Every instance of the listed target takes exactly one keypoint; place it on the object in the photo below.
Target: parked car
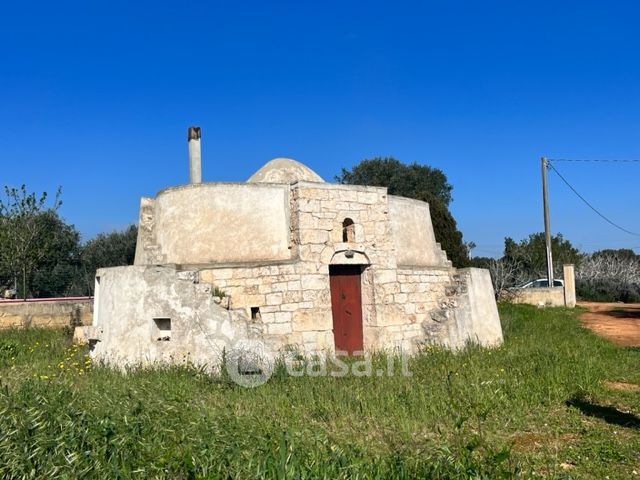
(542, 283)
(9, 294)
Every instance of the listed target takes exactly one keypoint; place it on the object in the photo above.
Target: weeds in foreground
(480, 413)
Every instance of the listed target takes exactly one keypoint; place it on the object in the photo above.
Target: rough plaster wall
(223, 223)
(550, 297)
(475, 318)
(413, 234)
(484, 326)
(147, 251)
(59, 313)
(569, 276)
(132, 297)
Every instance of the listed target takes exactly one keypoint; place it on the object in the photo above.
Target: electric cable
(589, 204)
(600, 160)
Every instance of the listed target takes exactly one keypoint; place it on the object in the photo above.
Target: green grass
(519, 410)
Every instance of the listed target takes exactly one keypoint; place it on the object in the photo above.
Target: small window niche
(255, 313)
(348, 231)
(162, 329)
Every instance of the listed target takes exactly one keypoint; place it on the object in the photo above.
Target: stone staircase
(150, 253)
(437, 329)
(255, 328)
(443, 256)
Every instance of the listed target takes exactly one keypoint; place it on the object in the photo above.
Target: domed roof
(284, 170)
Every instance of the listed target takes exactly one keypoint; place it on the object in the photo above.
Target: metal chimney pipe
(195, 155)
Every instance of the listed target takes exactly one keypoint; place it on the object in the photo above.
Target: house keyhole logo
(249, 363)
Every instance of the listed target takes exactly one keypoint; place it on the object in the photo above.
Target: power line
(589, 205)
(592, 160)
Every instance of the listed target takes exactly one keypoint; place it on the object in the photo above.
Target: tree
(609, 275)
(411, 181)
(505, 273)
(527, 260)
(24, 236)
(56, 273)
(531, 254)
(620, 253)
(37, 246)
(108, 250)
(420, 182)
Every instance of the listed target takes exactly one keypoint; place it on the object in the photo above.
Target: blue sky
(97, 96)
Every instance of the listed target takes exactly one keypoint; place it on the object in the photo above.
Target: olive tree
(117, 248)
(420, 182)
(25, 236)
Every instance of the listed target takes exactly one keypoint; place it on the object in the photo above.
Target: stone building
(290, 261)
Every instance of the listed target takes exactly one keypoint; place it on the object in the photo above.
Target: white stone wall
(215, 223)
(413, 235)
(276, 258)
(295, 304)
(295, 300)
(130, 300)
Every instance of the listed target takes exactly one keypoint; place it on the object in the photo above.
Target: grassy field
(545, 404)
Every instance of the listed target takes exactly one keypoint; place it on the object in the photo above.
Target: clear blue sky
(96, 97)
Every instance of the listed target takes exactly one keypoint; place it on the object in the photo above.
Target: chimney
(195, 158)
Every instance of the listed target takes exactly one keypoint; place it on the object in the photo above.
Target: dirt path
(619, 322)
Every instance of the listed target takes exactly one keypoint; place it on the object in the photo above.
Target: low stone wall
(46, 313)
(548, 297)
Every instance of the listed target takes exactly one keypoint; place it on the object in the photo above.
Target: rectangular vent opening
(162, 330)
(255, 313)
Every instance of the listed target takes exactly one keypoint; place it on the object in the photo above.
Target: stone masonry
(270, 248)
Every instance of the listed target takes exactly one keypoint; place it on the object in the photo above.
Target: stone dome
(284, 170)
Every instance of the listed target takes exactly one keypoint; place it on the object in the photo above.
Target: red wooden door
(346, 307)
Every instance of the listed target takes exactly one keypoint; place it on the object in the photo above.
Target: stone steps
(443, 256)
(440, 316)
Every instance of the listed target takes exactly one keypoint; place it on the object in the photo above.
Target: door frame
(347, 270)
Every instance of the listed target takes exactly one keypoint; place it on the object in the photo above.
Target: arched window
(348, 230)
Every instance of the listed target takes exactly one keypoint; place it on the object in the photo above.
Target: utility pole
(547, 223)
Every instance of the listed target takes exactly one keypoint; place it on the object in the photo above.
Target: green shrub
(608, 291)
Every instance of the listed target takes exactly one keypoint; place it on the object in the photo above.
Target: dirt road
(619, 322)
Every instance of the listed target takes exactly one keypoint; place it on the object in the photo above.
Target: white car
(542, 283)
